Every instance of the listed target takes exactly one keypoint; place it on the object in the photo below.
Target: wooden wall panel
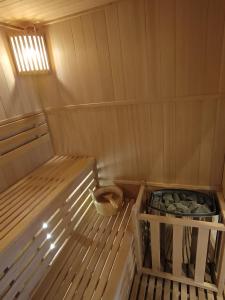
(147, 141)
(140, 86)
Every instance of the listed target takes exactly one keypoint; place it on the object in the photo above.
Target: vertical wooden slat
(155, 245)
(201, 255)
(137, 236)
(151, 286)
(221, 271)
(137, 229)
(184, 295)
(175, 295)
(134, 290)
(192, 293)
(177, 249)
(167, 290)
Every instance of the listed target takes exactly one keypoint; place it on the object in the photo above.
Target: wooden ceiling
(44, 11)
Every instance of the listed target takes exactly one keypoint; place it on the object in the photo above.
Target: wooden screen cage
(112, 149)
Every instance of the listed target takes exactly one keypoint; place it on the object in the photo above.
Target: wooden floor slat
(159, 289)
(143, 287)
(167, 290)
(135, 286)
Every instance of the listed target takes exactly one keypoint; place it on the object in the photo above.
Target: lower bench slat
(82, 271)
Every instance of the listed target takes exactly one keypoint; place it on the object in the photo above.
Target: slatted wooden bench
(92, 264)
(52, 242)
(37, 216)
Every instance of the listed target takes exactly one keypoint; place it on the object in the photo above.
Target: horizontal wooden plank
(19, 117)
(23, 149)
(178, 221)
(109, 103)
(16, 126)
(23, 137)
(152, 184)
(25, 257)
(182, 279)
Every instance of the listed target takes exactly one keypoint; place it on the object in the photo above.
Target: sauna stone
(172, 208)
(168, 198)
(202, 209)
(182, 208)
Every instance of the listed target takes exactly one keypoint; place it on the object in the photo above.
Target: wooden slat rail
(155, 245)
(202, 250)
(19, 136)
(179, 227)
(56, 195)
(23, 136)
(19, 125)
(154, 288)
(221, 269)
(177, 249)
(137, 229)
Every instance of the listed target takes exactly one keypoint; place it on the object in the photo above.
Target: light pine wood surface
(90, 265)
(55, 194)
(24, 145)
(147, 287)
(44, 10)
(140, 86)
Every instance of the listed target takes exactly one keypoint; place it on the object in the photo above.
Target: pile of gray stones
(181, 203)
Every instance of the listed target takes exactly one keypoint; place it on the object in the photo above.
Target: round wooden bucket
(108, 200)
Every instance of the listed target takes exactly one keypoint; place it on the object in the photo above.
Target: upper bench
(39, 212)
(38, 215)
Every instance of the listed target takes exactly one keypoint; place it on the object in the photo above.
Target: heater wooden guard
(204, 229)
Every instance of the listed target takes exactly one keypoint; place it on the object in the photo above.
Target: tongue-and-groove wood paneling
(33, 11)
(140, 85)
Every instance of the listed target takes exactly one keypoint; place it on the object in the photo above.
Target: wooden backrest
(17, 137)
(24, 145)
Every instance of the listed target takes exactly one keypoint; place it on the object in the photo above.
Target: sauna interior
(112, 147)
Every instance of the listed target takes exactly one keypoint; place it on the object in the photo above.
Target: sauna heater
(185, 204)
